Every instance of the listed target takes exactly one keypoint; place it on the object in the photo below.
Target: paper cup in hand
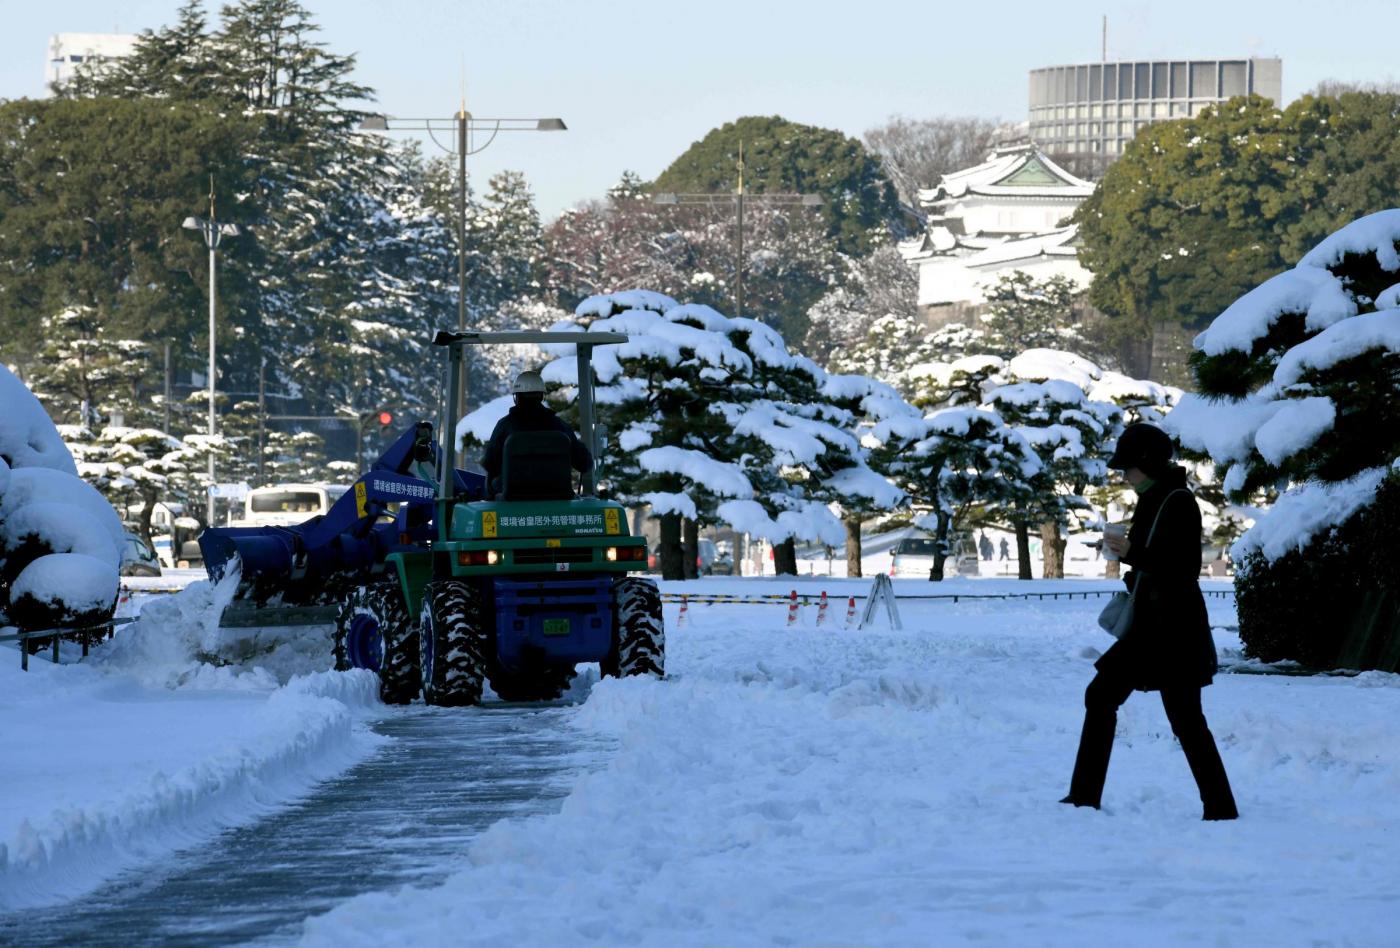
(1119, 530)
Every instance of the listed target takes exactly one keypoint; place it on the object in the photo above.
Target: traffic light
(386, 418)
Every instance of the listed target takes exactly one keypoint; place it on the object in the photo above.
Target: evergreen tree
(859, 203)
(1300, 389)
(1197, 211)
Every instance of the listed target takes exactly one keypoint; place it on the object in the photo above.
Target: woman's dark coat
(1169, 644)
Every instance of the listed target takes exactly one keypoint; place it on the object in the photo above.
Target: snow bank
(144, 749)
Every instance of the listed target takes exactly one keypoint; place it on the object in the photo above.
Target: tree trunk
(1112, 569)
(672, 559)
(1052, 550)
(785, 557)
(740, 550)
(1023, 550)
(148, 510)
(852, 546)
(940, 547)
(1136, 351)
(690, 547)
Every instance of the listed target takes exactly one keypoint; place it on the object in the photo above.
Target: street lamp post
(214, 232)
(739, 198)
(465, 125)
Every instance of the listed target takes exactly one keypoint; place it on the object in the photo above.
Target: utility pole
(262, 417)
(464, 124)
(167, 388)
(214, 232)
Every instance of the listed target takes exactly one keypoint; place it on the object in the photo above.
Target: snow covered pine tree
(1300, 382)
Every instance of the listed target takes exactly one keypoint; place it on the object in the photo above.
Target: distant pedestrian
(984, 544)
(1168, 648)
(1005, 549)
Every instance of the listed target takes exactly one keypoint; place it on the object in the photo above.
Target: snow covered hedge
(60, 541)
(1300, 391)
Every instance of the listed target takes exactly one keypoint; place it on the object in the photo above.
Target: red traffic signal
(386, 419)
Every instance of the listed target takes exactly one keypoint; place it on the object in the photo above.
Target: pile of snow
(60, 542)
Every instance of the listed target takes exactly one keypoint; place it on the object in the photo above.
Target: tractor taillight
(627, 553)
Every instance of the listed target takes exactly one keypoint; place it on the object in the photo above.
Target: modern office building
(67, 51)
(1094, 109)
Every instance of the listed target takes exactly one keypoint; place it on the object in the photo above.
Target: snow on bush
(27, 437)
(60, 541)
(712, 418)
(1300, 381)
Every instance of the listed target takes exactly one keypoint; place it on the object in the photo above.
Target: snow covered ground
(793, 785)
(143, 749)
(805, 786)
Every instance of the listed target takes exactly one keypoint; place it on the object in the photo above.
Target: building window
(1233, 79)
(1179, 90)
(1203, 81)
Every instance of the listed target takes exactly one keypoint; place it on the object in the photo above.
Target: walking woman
(1168, 648)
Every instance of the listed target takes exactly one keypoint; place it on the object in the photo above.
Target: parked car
(913, 556)
(137, 558)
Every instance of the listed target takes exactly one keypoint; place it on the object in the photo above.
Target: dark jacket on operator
(531, 415)
(1169, 644)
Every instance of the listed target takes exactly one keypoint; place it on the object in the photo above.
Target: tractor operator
(530, 414)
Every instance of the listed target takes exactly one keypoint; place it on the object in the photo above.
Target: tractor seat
(535, 466)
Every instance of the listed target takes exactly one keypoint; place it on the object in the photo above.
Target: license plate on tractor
(556, 627)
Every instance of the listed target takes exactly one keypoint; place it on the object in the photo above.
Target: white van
(283, 505)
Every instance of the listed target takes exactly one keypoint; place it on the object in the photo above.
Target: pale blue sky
(638, 81)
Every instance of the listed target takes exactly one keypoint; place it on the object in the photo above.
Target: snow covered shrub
(1300, 391)
(712, 420)
(60, 541)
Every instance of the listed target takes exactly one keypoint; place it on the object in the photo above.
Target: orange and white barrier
(792, 609)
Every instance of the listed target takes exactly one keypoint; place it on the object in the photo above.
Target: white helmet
(528, 383)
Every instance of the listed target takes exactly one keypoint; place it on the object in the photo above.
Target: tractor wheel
(639, 635)
(373, 631)
(453, 644)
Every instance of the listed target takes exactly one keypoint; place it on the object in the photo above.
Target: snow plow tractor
(451, 589)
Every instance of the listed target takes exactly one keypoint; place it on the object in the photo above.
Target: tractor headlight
(492, 557)
(612, 554)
